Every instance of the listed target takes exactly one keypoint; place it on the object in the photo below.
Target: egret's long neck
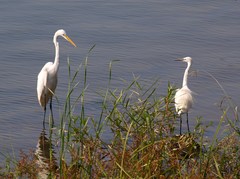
(185, 77)
(56, 61)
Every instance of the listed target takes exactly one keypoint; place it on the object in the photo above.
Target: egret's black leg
(44, 116)
(51, 111)
(187, 123)
(180, 124)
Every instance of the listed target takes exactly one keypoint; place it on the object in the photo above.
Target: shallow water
(146, 36)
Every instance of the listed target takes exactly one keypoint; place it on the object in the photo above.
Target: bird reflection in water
(45, 156)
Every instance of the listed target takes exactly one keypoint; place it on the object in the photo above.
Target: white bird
(47, 78)
(183, 96)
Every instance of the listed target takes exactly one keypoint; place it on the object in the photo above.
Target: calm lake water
(146, 36)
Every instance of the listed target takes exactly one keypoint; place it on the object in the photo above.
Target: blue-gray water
(146, 36)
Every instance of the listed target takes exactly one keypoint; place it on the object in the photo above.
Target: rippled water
(146, 36)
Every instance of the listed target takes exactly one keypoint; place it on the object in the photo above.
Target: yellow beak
(69, 40)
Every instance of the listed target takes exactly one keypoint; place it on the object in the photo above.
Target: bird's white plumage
(47, 83)
(47, 78)
(183, 100)
(183, 96)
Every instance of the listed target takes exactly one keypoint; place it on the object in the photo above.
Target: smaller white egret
(183, 96)
(47, 78)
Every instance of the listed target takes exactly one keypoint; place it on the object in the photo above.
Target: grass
(143, 142)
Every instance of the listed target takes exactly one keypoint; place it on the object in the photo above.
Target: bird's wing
(41, 84)
(43, 75)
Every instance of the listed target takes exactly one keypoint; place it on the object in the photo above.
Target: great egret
(47, 78)
(183, 96)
